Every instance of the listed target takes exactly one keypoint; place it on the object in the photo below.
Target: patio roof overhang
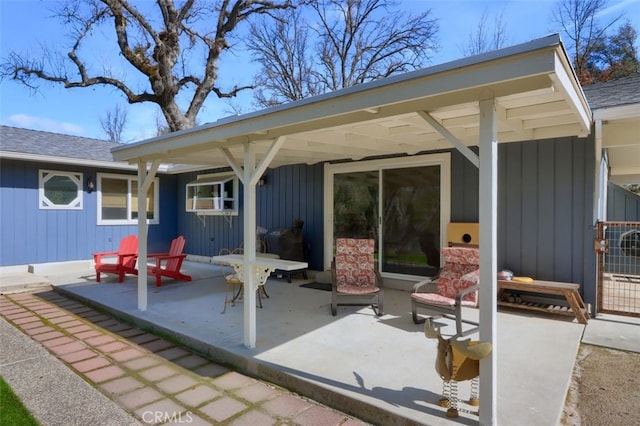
(536, 96)
(618, 130)
(521, 93)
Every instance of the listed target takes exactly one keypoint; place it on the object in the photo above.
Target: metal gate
(618, 247)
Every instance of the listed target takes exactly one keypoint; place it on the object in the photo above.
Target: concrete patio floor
(380, 370)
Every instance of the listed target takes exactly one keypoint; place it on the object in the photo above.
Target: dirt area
(605, 388)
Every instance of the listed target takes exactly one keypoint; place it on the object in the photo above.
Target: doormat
(317, 286)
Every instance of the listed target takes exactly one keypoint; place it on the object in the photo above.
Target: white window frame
(215, 179)
(440, 159)
(45, 204)
(129, 179)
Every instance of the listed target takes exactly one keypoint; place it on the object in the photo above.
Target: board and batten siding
(622, 205)
(30, 235)
(545, 211)
(289, 193)
(545, 208)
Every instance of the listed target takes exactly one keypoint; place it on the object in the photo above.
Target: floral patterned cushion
(354, 266)
(436, 299)
(460, 270)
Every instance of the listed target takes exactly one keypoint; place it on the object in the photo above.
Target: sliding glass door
(355, 207)
(411, 220)
(399, 205)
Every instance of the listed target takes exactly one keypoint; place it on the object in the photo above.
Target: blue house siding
(465, 182)
(622, 205)
(545, 214)
(545, 217)
(290, 192)
(29, 235)
(545, 223)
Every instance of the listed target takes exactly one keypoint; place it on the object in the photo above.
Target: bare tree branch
(485, 39)
(113, 123)
(579, 21)
(355, 41)
(162, 42)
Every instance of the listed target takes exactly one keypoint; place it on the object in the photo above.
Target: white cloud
(616, 7)
(45, 124)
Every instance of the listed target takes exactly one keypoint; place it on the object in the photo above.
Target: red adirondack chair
(172, 262)
(125, 262)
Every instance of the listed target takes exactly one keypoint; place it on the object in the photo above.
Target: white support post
(249, 230)
(488, 263)
(142, 238)
(144, 183)
(601, 178)
(249, 175)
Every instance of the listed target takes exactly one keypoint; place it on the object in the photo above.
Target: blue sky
(25, 25)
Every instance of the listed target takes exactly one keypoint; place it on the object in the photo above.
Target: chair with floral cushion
(355, 277)
(456, 286)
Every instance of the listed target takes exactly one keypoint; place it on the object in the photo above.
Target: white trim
(43, 201)
(488, 219)
(118, 165)
(617, 112)
(441, 159)
(525, 68)
(462, 148)
(10, 155)
(601, 176)
(129, 179)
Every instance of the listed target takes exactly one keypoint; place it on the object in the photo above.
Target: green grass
(12, 412)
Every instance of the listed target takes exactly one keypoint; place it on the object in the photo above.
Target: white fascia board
(22, 156)
(175, 169)
(565, 80)
(626, 179)
(65, 160)
(478, 72)
(617, 112)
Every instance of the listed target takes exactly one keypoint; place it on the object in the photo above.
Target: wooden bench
(568, 290)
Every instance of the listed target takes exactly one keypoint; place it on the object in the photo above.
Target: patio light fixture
(90, 185)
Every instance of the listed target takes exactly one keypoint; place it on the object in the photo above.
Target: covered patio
(525, 92)
(379, 369)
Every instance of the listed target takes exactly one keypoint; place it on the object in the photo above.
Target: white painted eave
(617, 112)
(536, 92)
(22, 156)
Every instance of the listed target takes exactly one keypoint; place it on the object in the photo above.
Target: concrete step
(22, 282)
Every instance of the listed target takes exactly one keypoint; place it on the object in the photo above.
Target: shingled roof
(622, 91)
(25, 141)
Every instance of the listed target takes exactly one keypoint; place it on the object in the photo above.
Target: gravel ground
(605, 389)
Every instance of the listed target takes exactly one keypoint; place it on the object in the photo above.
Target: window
(213, 195)
(118, 200)
(60, 190)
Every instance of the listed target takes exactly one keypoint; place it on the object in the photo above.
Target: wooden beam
(464, 150)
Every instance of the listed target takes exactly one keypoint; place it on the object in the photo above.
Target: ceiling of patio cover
(536, 94)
